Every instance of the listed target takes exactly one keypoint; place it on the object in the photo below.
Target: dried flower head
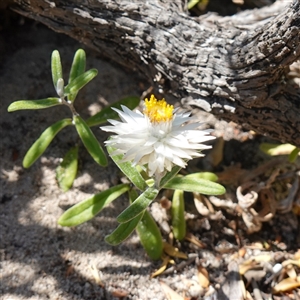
(158, 138)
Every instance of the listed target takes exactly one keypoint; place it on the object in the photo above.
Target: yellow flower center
(158, 110)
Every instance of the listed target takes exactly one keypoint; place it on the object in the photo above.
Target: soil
(42, 260)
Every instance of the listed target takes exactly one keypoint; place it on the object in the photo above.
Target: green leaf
(203, 175)
(56, 68)
(41, 144)
(131, 172)
(169, 176)
(201, 4)
(178, 218)
(107, 113)
(90, 142)
(201, 186)
(123, 231)
(79, 82)
(67, 170)
(89, 208)
(276, 149)
(34, 104)
(150, 236)
(294, 154)
(77, 68)
(138, 206)
(148, 232)
(78, 64)
(192, 3)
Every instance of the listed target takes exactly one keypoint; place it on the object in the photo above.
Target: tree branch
(234, 67)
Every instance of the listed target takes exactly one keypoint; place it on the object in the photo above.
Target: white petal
(160, 146)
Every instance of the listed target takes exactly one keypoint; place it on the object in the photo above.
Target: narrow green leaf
(178, 218)
(56, 67)
(41, 144)
(294, 154)
(138, 206)
(77, 68)
(131, 172)
(89, 208)
(67, 170)
(201, 186)
(169, 176)
(203, 175)
(33, 104)
(79, 82)
(107, 113)
(123, 231)
(148, 232)
(150, 236)
(90, 142)
(78, 64)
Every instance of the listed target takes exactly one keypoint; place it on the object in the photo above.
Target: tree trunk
(234, 67)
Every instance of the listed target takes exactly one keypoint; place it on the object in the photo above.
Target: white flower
(158, 138)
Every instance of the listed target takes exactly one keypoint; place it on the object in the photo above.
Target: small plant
(150, 148)
(78, 78)
(159, 141)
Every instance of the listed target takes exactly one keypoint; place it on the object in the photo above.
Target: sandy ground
(39, 259)
(42, 260)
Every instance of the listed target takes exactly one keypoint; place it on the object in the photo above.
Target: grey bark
(234, 67)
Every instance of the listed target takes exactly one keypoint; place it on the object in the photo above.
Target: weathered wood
(234, 67)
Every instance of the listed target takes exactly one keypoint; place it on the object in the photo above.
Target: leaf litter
(263, 269)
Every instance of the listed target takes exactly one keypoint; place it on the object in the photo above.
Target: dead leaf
(286, 284)
(254, 274)
(258, 246)
(96, 275)
(200, 206)
(203, 277)
(173, 251)
(295, 262)
(181, 265)
(216, 153)
(291, 272)
(297, 255)
(192, 239)
(163, 266)
(170, 294)
(254, 263)
(263, 258)
(248, 296)
(246, 266)
(242, 252)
